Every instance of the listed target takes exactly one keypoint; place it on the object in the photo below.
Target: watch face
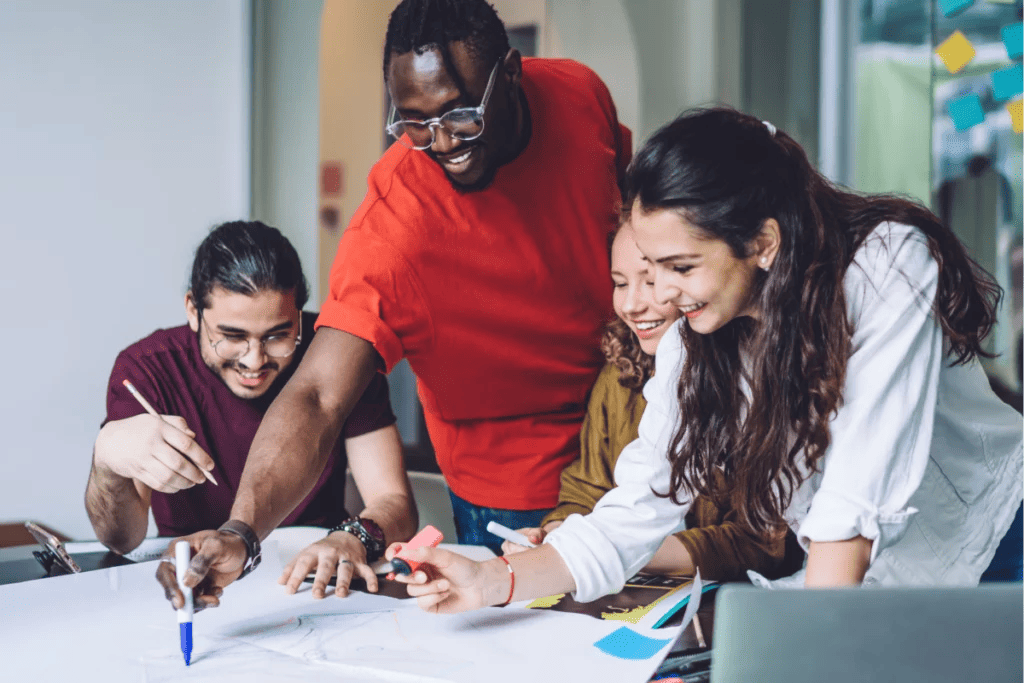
(372, 529)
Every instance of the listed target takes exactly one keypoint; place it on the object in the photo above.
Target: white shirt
(925, 460)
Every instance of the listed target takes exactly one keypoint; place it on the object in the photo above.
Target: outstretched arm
(294, 440)
(286, 458)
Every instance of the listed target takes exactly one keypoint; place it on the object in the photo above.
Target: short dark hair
(246, 257)
(423, 25)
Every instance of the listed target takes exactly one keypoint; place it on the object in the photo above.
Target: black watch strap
(369, 534)
(251, 540)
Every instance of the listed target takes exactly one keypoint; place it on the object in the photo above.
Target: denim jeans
(471, 522)
(1008, 563)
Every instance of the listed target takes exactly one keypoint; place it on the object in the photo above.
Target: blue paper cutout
(1013, 39)
(966, 111)
(952, 7)
(1007, 82)
(626, 643)
(709, 586)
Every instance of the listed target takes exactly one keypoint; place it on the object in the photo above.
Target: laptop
(874, 635)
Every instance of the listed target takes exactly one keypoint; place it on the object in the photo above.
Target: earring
(764, 262)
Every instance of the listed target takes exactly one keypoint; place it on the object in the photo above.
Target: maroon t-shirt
(167, 369)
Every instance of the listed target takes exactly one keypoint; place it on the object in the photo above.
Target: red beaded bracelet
(512, 575)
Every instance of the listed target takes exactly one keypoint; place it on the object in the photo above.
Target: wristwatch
(368, 533)
(251, 540)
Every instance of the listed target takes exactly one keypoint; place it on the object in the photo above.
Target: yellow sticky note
(955, 52)
(1016, 110)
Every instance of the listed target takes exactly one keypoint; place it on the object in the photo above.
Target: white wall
(124, 136)
(599, 34)
(689, 53)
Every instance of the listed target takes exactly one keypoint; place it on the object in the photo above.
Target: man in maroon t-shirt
(212, 381)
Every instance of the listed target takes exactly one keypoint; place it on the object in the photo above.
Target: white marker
(182, 555)
(502, 531)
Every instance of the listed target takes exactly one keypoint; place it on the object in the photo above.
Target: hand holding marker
(503, 532)
(182, 556)
(428, 536)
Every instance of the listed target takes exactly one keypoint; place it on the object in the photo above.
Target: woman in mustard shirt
(714, 540)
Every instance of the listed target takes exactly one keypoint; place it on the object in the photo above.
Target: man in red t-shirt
(212, 380)
(480, 254)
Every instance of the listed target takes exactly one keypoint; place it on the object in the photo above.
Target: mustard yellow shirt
(721, 547)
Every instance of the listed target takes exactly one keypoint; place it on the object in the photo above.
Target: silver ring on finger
(344, 561)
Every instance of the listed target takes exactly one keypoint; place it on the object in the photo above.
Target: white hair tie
(770, 127)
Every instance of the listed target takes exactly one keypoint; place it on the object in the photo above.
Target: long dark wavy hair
(726, 173)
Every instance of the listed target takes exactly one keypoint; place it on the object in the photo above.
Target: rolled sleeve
(881, 436)
(603, 549)
(375, 295)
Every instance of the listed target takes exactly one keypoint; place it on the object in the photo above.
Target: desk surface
(114, 625)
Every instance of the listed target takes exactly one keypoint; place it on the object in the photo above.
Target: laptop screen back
(933, 635)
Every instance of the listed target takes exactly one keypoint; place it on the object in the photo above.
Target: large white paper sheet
(115, 625)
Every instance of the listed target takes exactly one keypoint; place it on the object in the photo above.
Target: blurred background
(143, 123)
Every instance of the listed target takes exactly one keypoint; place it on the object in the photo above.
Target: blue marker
(182, 556)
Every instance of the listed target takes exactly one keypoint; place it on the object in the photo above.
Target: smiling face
(633, 294)
(698, 274)
(234, 316)
(422, 88)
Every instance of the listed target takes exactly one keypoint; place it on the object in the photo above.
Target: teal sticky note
(1013, 39)
(966, 111)
(952, 7)
(1007, 82)
(625, 643)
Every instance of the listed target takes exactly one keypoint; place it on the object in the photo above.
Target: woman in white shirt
(826, 364)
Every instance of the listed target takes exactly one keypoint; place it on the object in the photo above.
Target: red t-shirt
(167, 369)
(496, 297)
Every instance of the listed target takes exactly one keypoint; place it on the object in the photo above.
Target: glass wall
(976, 155)
(927, 119)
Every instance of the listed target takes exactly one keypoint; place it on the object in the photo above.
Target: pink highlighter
(428, 536)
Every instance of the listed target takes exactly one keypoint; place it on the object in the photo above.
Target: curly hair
(619, 344)
(622, 349)
(726, 173)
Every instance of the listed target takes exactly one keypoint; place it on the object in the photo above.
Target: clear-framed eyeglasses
(464, 123)
(276, 346)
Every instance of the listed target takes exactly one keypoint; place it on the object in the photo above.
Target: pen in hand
(182, 556)
(152, 411)
(503, 532)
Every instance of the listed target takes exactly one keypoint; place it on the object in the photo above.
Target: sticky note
(625, 643)
(966, 111)
(1013, 39)
(1016, 110)
(1007, 82)
(955, 52)
(952, 7)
